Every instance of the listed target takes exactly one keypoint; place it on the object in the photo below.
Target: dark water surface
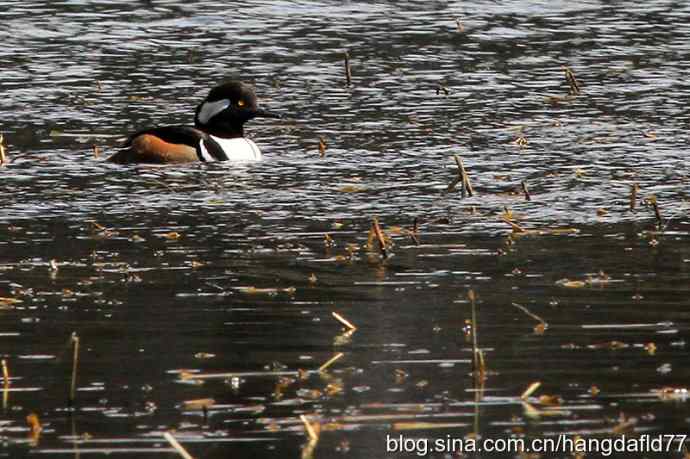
(215, 281)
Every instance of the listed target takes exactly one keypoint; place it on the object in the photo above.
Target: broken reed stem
(414, 234)
(330, 362)
(2, 150)
(75, 437)
(572, 81)
(328, 240)
(532, 388)
(348, 69)
(655, 206)
(461, 177)
(441, 88)
(6, 379)
(177, 446)
(467, 186)
(475, 357)
(313, 436)
(453, 184)
(35, 425)
(516, 228)
(634, 188)
(5, 373)
(75, 360)
(482, 365)
(379, 236)
(343, 321)
(322, 147)
(525, 191)
(530, 411)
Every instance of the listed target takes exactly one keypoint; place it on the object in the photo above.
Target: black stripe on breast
(213, 148)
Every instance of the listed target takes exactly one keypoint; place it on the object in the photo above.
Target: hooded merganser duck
(217, 135)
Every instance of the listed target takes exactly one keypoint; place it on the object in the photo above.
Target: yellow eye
(240, 103)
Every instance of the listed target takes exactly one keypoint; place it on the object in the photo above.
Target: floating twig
(75, 360)
(177, 446)
(343, 321)
(330, 362)
(542, 323)
(251, 290)
(348, 69)
(532, 388)
(529, 313)
(634, 188)
(572, 81)
(525, 191)
(198, 404)
(376, 228)
(187, 376)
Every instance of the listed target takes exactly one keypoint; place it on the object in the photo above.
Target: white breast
(239, 149)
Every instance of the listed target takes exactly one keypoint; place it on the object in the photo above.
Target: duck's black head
(226, 108)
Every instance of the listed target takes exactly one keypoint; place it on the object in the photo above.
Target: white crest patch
(211, 109)
(239, 149)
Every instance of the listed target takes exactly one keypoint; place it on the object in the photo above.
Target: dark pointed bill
(265, 114)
